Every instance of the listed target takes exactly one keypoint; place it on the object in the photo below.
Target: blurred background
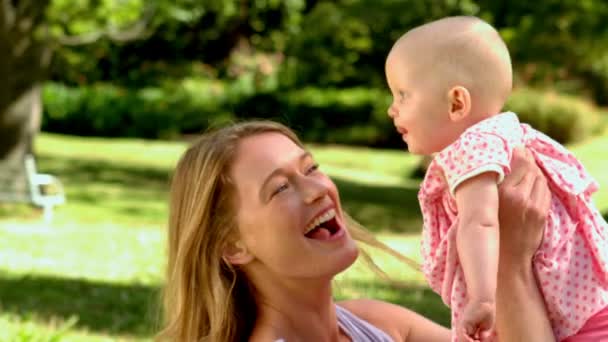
(99, 97)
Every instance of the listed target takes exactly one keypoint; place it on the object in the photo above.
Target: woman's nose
(313, 190)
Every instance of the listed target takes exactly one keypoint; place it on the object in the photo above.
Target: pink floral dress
(572, 261)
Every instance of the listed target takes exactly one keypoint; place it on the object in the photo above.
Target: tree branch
(30, 15)
(7, 15)
(137, 31)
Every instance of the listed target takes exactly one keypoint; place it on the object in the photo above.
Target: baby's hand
(477, 322)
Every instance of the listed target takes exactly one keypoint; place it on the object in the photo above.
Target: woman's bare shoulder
(400, 323)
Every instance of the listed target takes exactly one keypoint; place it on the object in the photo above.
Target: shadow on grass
(135, 193)
(130, 192)
(605, 216)
(381, 208)
(117, 309)
(99, 307)
(113, 190)
(79, 171)
(420, 299)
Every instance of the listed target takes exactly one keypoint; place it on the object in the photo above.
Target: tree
(30, 30)
(22, 66)
(187, 36)
(344, 43)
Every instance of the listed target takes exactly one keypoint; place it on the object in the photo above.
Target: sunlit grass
(95, 272)
(594, 155)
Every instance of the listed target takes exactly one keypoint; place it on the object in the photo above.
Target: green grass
(95, 272)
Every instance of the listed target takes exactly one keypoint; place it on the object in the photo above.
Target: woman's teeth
(330, 214)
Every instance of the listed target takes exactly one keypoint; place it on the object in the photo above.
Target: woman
(257, 233)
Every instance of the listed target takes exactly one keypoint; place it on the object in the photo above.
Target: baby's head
(445, 76)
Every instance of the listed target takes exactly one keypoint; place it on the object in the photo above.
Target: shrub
(354, 116)
(565, 118)
(327, 115)
(154, 112)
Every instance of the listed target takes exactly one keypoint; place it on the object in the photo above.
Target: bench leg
(47, 211)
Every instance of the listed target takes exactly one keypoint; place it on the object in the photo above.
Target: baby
(450, 80)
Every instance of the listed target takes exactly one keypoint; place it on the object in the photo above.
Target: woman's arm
(524, 203)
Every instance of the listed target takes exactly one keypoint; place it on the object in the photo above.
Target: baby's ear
(459, 101)
(236, 253)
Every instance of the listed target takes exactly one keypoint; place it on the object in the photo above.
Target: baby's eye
(312, 168)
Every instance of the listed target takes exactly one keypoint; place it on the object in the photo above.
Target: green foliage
(69, 17)
(554, 42)
(566, 119)
(326, 115)
(348, 116)
(355, 116)
(180, 34)
(344, 43)
(153, 112)
(561, 44)
(12, 329)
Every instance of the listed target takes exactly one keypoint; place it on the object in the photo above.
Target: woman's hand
(525, 199)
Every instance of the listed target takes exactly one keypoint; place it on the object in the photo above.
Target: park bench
(21, 183)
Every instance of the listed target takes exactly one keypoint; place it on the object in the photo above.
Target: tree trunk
(19, 124)
(25, 53)
(23, 65)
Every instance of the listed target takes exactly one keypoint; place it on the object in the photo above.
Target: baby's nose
(392, 112)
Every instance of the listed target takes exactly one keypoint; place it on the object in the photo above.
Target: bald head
(463, 51)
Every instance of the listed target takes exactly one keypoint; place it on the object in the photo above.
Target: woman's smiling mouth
(324, 227)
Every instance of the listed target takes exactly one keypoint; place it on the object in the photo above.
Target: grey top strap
(358, 329)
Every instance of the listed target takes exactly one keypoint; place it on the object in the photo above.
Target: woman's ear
(459, 101)
(236, 253)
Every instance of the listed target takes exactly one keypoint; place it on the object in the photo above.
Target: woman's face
(288, 211)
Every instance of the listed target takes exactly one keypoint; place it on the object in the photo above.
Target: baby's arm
(477, 235)
(477, 239)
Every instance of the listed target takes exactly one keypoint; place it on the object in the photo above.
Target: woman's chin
(348, 256)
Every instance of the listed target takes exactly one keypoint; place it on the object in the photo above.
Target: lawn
(95, 272)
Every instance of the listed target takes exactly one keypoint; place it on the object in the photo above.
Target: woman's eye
(280, 189)
(312, 169)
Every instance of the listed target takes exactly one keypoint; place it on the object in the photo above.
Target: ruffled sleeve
(472, 154)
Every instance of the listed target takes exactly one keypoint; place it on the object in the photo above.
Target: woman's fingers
(524, 203)
(519, 167)
(526, 185)
(518, 186)
(540, 197)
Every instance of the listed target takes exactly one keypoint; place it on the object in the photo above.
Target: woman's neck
(295, 310)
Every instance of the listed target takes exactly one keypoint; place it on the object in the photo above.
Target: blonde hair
(205, 298)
